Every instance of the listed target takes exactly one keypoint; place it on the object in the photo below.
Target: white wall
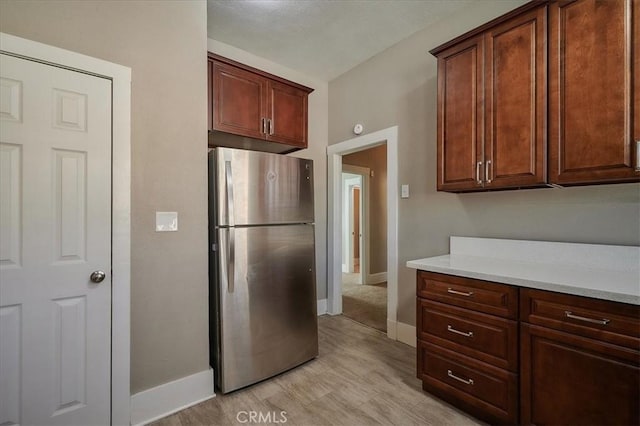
(318, 139)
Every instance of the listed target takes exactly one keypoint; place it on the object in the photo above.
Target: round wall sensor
(358, 128)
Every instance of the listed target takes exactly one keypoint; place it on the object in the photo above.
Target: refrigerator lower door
(268, 321)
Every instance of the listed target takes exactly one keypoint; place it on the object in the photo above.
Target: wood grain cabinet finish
(492, 105)
(247, 102)
(546, 94)
(484, 337)
(519, 355)
(594, 79)
(580, 360)
(483, 296)
(460, 116)
(467, 334)
(487, 392)
(239, 101)
(515, 102)
(288, 112)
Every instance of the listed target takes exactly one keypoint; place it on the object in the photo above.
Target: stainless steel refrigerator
(261, 266)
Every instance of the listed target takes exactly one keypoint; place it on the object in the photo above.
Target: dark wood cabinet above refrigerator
(252, 109)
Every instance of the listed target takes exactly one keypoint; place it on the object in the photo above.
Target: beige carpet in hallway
(366, 304)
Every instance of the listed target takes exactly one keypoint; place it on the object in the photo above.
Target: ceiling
(322, 38)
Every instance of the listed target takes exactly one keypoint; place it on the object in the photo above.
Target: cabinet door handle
(264, 125)
(638, 155)
(478, 179)
(571, 315)
(487, 173)
(460, 293)
(272, 127)
(462, 333)
(460, 379)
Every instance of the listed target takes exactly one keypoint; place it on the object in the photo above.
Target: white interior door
(55, 231)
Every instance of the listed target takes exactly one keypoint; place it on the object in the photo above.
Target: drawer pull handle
(462, 333)
(571, 315)
(460, 293)
(460, 379)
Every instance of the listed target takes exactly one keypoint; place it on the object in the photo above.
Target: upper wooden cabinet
(460, 116)
(493, 108)
(491, 105)
(252, 104)
(594, 77)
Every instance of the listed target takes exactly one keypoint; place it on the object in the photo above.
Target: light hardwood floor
(360, 378)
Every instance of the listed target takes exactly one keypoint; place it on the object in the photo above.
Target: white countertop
(598, 271)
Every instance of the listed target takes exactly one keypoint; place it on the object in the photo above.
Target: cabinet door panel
(288, 112)
(210, 93)
(592, 89)
(239, 105)
(568, 379)
(460, 115)
(515, 68)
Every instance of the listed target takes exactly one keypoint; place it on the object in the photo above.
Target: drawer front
(489, 389)
(482, 296)
(485, 337)
(613, 322)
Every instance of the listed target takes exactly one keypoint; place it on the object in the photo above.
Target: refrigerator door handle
(229, 179)
(227, 257)
(231, 261)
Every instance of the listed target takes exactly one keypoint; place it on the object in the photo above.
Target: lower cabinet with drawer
(468, 344)
(580, 360)
(516, 355)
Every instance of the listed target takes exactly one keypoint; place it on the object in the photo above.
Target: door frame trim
(120, 77)
(334, 219)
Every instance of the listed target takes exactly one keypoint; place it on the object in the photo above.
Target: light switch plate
(404, 193)
(166, 221)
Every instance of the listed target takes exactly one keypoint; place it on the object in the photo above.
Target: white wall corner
(377, 278)
(322, 306)
(406, 334)
(161, 401)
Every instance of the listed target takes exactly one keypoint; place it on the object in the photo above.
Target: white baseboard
(406, 334)
(161, 401)
(322, 306)
(380, 277)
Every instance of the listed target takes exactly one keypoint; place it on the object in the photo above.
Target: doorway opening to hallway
(364, 236)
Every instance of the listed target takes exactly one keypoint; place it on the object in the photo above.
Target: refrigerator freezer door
(256, 188)
(268, 306)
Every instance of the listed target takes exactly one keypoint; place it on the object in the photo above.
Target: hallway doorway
(364, 237)
(381, 278)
